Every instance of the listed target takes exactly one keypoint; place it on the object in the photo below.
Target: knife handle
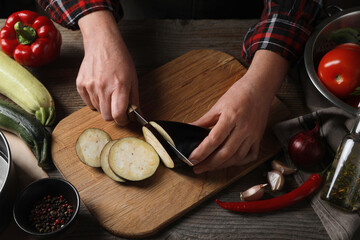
(132, 108)
(134, 115)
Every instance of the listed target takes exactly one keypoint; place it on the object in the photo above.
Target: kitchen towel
(334, 123)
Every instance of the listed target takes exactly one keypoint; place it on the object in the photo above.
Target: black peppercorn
(47, 214)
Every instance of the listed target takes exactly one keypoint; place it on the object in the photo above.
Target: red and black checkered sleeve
(68, 12)
(284, 28)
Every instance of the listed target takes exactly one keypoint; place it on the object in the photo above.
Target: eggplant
(133, 159)
(90, 144)
(185, 137)
(104, 161)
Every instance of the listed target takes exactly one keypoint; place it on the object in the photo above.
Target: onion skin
(307, 149)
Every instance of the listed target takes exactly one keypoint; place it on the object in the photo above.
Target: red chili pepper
(31, 39)
(288, 199)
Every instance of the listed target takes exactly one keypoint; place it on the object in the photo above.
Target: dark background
(9, 6)
(168, 9)
(176, 9)
(192, 9)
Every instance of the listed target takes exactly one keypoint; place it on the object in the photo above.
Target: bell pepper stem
(24, 34)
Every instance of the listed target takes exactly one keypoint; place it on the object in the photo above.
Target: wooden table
(152, 43)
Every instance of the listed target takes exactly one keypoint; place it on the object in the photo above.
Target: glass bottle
(342, 186)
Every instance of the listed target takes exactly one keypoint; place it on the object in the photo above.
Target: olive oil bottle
(342, 186)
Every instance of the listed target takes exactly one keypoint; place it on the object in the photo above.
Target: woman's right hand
(107, 79)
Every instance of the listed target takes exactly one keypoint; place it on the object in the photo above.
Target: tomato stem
(338, 78)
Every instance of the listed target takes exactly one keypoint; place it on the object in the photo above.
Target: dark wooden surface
(152, 43)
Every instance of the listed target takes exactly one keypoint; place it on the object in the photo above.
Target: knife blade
(134, 114)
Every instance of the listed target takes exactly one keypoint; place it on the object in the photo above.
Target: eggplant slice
(185, 137)
(90, 144)
(104, 159)
(133, 159)
(166, 154)
(162, 132)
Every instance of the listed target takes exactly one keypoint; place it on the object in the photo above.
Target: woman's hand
(107, 79)
(239, 117)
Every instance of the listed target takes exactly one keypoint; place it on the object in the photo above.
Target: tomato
(339, 69)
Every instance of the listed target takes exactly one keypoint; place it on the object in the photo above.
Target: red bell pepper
(31, 39)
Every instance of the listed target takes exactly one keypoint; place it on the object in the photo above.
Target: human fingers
(250, 155)
(216, 137)
(85, 97)
(85, 86)
(94, 99)
(134, 95)
(228, 154)
(244, 155)
(119, 106)
(105, 106)
(208, 119)
(89, 95)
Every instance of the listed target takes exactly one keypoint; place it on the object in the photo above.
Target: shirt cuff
(67, 13)
(283, 32)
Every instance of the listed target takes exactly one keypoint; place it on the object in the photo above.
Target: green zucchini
(23, 88)
(16, 120)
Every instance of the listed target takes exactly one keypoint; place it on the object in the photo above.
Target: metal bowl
(318, 45)
(7, 177)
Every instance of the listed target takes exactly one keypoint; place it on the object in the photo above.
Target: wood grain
(181, 90)
(153, 43)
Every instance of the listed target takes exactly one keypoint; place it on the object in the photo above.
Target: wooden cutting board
(181, 90)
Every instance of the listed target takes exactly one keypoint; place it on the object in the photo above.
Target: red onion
(307, 149)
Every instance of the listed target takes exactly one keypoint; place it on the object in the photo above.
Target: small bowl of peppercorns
(47, 207)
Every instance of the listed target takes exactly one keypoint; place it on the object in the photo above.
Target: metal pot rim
(309, 60)
(7, 157)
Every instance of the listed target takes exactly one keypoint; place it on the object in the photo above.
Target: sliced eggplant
(90, 144)
(104, 159)
(157, 142)
(133, 159)
(186, 137)
(162, 132)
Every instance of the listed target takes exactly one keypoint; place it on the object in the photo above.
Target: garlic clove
(281, 167)
(254, 193)
(276, 180)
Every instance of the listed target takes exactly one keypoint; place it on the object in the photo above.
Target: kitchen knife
(134, 114)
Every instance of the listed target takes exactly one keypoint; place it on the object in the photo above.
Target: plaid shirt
(68, 12)
(284, 27)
